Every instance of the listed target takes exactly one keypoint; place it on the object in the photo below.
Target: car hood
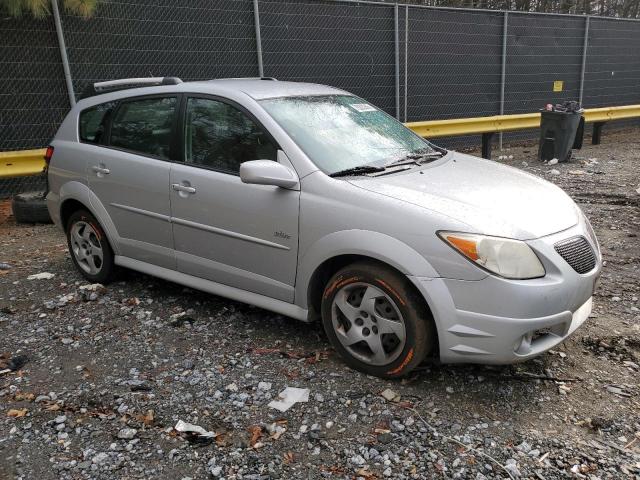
(489, 198)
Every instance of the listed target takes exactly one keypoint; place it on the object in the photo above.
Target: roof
(256, 88)
(261, 88)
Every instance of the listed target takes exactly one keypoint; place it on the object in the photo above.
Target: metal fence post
(503, 71)
(585, 45)
(63, 52)
(256, 19)
(406, 57)
(397, 48)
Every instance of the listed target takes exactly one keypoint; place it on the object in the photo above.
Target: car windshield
(339, 132)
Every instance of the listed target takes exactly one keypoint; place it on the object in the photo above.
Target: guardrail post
(486, 145)
(503, 71)
(256, 21)
(585, 45)
(397, 52)
(63, 52)
(597, 133)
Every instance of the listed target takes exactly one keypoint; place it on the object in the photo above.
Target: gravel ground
(111, 370)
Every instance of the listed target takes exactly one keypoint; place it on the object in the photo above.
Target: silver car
(308, 201)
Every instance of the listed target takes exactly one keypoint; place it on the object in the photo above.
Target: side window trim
(227, 101)
(174, 125)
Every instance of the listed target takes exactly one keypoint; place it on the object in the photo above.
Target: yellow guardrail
(467, 126)
(508, 123)
(21, 163)
(31, 162)
(607, 114)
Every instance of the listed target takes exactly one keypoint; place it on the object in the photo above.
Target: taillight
(48, 154)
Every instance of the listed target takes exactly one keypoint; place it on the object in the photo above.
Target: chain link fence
(33, 97)
(415, 62)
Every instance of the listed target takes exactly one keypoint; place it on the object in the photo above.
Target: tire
(30, 207)
(360, 289)
(89, 248)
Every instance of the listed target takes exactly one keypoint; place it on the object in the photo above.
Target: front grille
(578, 253)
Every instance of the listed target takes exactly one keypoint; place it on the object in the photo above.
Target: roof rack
(273, 79)
(125, 83)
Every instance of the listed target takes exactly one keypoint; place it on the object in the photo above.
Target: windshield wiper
(360, 170)
(417, 158)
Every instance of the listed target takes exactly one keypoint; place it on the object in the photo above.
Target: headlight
(591, 233)
(502, 256)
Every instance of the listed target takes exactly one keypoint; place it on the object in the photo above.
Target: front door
(240, 235)
(131, 177)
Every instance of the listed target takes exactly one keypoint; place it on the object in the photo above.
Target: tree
(42, 8)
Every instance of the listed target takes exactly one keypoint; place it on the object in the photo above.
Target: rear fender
(81, 193)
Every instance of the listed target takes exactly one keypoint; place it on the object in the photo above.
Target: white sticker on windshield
(363, 107)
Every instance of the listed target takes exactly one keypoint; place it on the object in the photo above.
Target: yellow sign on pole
(558, 85)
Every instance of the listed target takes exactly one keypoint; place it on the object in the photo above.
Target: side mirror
(268, 172)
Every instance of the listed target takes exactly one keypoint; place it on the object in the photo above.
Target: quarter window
(221, 137)
(144, 126)
(93, 123)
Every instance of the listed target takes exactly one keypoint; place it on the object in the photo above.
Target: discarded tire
(30, 207)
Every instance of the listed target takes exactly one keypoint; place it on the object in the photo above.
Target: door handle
(183, 188)
(100, 170)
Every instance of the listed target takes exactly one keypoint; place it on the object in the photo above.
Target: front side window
(144, 126)
(93, 121)
(338, 132)
(221, 137)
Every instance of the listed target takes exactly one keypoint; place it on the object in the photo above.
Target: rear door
(245, 236)
(131, 176)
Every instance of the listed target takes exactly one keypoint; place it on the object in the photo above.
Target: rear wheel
(376, 320)
(89, 247)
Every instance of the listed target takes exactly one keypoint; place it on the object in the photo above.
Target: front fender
(379, 246)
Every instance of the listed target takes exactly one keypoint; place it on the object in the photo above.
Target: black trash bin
(560, 131)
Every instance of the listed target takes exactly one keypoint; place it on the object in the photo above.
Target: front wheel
(89, 247)
(376, 320)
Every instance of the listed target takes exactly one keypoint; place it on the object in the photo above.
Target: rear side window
(144, 126)
(93, 123)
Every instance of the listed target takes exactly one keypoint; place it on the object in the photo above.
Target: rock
(100, 458)
(17, 362)
(187, 364)
(41, 276)
(127, 433)
(512, 467)
(390, 396)
(264, 386)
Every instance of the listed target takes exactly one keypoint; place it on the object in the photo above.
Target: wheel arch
(332, 252)
(74, 196)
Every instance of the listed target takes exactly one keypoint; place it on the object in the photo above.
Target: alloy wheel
(86, 247)
(368, 323)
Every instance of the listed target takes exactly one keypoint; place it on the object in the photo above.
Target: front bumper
(501, 321)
